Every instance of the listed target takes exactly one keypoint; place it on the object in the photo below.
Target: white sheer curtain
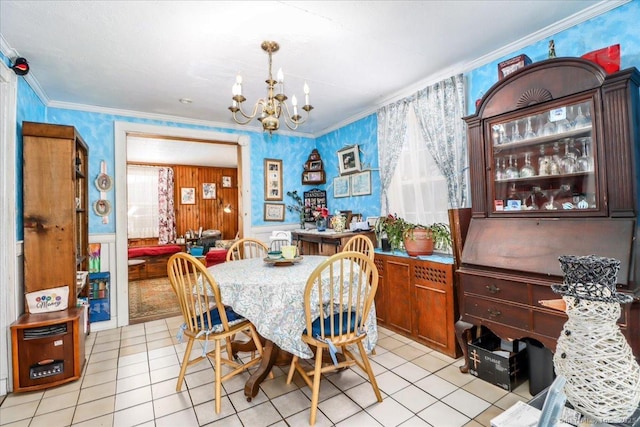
(418, 191)
(142, 201)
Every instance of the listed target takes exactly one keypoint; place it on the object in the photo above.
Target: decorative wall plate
(102, 207)
(104, 182)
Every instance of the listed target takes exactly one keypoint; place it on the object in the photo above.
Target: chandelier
(270, 108)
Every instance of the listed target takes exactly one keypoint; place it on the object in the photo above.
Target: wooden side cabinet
(47, 349)
(416, 298)
(56, 207)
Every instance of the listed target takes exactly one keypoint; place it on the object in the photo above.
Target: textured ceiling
(143, 56)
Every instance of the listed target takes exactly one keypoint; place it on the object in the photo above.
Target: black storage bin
(541, 373)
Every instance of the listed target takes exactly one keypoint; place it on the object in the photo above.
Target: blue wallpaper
(98, 132)
(363, 132)
(618, 26)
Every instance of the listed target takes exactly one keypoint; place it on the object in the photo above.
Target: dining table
(271, 295)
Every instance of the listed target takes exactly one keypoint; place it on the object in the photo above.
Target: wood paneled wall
(208, 213)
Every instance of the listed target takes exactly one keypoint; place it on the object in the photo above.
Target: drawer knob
(493, 312)
(493, 289)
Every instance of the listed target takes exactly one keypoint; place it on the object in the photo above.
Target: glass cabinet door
(544, 162)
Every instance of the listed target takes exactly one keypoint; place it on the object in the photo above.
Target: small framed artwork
(315, 165)
(349, 160)
(274, 211)
(361, 183)
(208, 191)
(272, 179)
(226, 182)
(341, 186)
(188, 196)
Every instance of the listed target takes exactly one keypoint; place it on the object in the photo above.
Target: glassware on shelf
(512, 171)
(527, 170)
(548, 129)
(581, 120)
(515, 133)
(563, 125)
(499, 170)
(585, 161)
(529, 133)
(568, 163)
(543, 163)
(503, 139)
(554, 167)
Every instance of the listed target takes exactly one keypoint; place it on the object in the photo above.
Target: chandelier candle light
(271, 107)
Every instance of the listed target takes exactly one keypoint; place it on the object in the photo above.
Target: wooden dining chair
(247, 248)
(207, 320)
(360, 243)
(348, 282)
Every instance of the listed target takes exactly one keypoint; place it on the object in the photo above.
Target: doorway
(125, 129)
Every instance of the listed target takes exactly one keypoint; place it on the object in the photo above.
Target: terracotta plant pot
(419, 242)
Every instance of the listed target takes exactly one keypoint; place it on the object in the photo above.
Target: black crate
(504, 371)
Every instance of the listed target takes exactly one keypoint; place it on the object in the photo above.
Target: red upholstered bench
(215, 256)
(150, 262)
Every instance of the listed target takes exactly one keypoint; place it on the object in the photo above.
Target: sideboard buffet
(554, 172)
(416, 298)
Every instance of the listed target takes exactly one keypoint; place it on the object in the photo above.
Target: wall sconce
(227, 208)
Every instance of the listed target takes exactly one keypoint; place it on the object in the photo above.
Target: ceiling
(144, 56)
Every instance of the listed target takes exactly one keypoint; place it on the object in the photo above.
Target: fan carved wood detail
(534, 96)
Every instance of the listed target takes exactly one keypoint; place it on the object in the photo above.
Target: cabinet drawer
(548, 324)
(494, 311)
(495, 288)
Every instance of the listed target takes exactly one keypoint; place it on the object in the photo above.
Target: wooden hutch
(554, 171)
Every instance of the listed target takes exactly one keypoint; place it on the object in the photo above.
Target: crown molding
(166, 118)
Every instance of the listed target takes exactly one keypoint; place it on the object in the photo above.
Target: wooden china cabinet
(554, 171)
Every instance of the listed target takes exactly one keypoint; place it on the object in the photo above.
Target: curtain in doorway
(167, 215)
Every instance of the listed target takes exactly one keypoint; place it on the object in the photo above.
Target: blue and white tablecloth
(271, 297)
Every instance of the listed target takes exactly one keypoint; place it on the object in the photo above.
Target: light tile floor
(130, 379)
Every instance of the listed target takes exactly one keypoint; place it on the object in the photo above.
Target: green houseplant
(417, 239)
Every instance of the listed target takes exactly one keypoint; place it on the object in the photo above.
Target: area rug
(152, 299)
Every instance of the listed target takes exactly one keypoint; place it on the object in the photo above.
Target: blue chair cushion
(315, 326)
(232, 317)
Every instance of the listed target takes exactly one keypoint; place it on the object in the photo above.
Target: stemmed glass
(563, 125)
(581, 120)
(527, 170)
(499, 170)
(554, 167)
(515, 133)
(503, 139)
(512, 170)
(529, 133)
(568, 164)
(549, 128)
(585, 162)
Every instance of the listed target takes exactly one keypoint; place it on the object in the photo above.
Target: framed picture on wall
(349, 160)
(226, 182)
(341, 185)
(208, 191)
(274, 212)
(361, 183)
(188, 196)
(272, 179)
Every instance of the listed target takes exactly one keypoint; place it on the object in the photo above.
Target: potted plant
(417, 239)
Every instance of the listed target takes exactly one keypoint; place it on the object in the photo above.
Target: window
(418, 191)
(142, 201)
